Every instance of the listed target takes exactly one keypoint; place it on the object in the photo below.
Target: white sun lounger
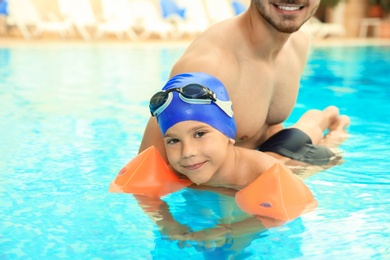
(150, 20)
(117, 13)
(320, 30)
(25, 16)
(196, 19)
(82, 16)
(219, 10)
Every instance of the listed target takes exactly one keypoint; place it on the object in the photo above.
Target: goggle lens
(196, 91)
(158, 100)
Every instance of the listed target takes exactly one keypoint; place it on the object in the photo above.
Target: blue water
(73, 115)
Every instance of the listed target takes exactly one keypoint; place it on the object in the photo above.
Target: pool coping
(11, 42)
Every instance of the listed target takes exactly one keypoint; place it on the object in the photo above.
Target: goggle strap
(195, 100)
(226, 106)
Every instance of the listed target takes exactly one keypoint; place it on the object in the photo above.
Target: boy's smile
(194, 166)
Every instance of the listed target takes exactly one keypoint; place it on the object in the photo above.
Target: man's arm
(153, 136)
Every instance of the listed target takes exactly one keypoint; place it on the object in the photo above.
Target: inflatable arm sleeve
(147, 174)
(277, 194)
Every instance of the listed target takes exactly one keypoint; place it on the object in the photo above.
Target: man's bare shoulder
(211, 52)
(300, 43)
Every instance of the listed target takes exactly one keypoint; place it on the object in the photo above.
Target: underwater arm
(233, 235)
(217, 236)
(158, 211)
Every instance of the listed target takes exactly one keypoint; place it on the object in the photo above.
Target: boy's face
(196, 149)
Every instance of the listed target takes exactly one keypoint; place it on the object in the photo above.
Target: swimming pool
(73, 115)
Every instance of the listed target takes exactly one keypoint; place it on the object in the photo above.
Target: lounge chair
(116, 13)
(149, 20)
(195, 21)
(82, 16)
(219, 10)
(318, 29)
(25, 16)
(170, 8)
(3, 17)
(238, 7)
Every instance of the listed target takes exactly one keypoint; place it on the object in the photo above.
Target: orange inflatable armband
(149, 175)
(277, 194)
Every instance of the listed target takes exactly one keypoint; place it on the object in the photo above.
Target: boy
(196, 119)
(198, 128)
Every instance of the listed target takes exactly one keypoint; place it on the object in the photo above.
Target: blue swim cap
(179, 110)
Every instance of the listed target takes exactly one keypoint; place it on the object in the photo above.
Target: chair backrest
(195, 12)
(238, 7)
(145, 10)
(79, 11)
(170, 7)
(3, 8)
(116, 10)
(23, 11)
(219, 10)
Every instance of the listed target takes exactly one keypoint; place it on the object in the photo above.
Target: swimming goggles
(192, 94)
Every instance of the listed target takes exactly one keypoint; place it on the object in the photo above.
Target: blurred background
(74, 92)
(172, 19)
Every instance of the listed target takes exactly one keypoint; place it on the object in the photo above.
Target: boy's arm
(158, 211)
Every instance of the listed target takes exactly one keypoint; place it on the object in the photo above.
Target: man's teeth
(288, 8)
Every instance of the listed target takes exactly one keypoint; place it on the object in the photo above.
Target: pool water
(73, 115)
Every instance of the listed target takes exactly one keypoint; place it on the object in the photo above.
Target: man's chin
(287, 29)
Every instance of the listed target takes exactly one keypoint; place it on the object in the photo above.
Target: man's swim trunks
(295, 144)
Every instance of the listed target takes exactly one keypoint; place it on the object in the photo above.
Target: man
(259, 57)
